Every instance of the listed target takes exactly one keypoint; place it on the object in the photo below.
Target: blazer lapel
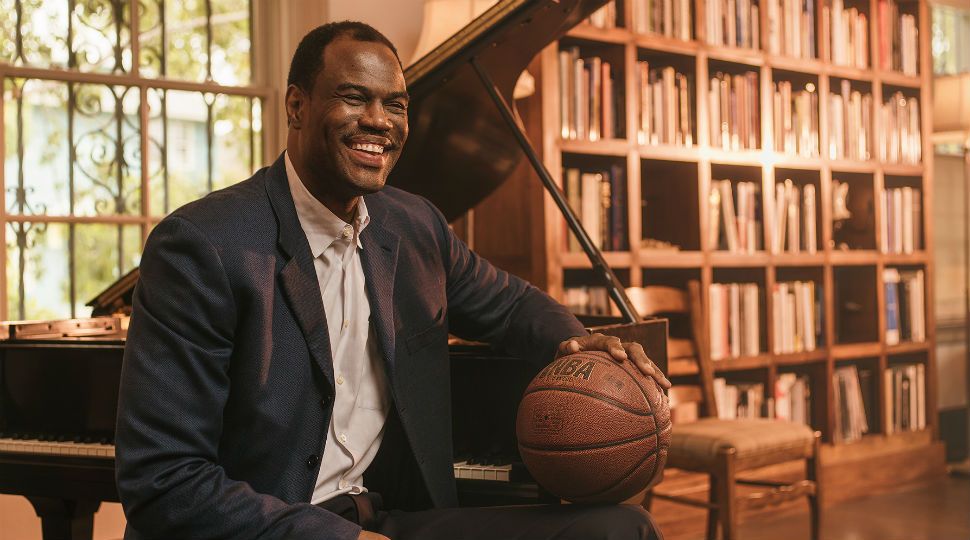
(298, 279)
(379, 260)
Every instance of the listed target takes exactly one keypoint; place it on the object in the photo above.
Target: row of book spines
(739, 400)
(666, 109)
(735, 320)
(795, 116)
(735, 23)
(599, 198)
(898, 42)
(853, 402)
(905, 304)
(850, 124)
(796, 317)
(790, 29)
(902, 224)
(604, 17)
(589, 101)
(792, 219)
(670, 18)
(900, 140)
(587, 97)
(735, 111)
(734, 216)
(846, 34)
(791, 399)
(905, 398)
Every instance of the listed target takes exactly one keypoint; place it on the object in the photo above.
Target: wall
(949, 225)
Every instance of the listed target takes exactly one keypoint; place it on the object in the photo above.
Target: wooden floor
(940, 511)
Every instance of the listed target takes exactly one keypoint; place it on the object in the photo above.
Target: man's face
(354, 121)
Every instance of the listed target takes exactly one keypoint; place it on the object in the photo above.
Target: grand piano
(59, 379)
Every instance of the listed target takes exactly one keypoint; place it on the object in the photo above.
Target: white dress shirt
(361, 402)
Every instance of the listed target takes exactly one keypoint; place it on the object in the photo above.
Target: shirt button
(346, 324)
(312, 460)
(342, 484)
(340, 379)
(343, 438)
(348, 231)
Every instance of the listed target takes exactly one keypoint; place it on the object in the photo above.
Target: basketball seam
(656, 464)
(643, 391)
(591, 446)
(607, 399)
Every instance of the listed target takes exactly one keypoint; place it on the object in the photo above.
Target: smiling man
(287, 360)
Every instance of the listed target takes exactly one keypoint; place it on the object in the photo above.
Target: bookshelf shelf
(660, 43)
(616, 259)
(798, 259)
(798, 359)
(603, 147)
(734, 55)
(856, 350)
(850, 166)
(802, 65)
(656, 258)
(670, 198)
(905, 258)
(742, 363)
(902, 170)
(739, 260)
(908, 347)
(608, 35)
(899, 79)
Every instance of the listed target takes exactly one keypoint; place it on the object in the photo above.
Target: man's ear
(294, 102)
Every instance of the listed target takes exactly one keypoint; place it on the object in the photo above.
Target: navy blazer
(227, 384)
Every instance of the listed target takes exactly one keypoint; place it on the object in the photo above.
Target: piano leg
(65, 519)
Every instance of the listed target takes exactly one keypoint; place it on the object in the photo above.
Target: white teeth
(374, 148)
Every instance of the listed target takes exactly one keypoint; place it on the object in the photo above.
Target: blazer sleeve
(492, 305)
(174, 386)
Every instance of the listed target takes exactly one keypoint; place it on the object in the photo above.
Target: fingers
(569, 346)
(618, 350)
(646, 366)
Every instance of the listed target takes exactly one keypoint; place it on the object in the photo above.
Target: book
(890, 278)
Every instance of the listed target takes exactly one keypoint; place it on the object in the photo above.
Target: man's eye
(397, 106)
(356, 98)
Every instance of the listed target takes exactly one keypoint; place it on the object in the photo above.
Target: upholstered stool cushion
(695, 445)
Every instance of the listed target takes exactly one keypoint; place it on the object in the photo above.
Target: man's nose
(375, 117)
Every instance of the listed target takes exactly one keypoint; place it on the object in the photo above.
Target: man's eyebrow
(367, 91)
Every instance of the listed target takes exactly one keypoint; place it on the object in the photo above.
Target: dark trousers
(534, 522)
(395, 475)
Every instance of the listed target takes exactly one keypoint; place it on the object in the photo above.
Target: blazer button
(325, 401)
(312, 460)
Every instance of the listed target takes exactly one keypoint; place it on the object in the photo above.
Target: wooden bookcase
(520, 229)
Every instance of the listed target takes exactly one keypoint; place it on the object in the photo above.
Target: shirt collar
(321, 226)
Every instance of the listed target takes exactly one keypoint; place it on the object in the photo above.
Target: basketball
(592, 430)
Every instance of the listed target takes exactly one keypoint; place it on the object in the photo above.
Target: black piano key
(77, 438)
(61, 438)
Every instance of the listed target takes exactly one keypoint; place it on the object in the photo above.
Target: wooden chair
(723, 449)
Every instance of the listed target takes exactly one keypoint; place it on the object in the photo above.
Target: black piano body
(58, 380)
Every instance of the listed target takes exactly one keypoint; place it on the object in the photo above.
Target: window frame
(266, 63)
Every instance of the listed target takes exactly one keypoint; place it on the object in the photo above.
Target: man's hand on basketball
(619, 350)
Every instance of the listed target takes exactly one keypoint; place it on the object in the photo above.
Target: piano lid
(459, 148)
